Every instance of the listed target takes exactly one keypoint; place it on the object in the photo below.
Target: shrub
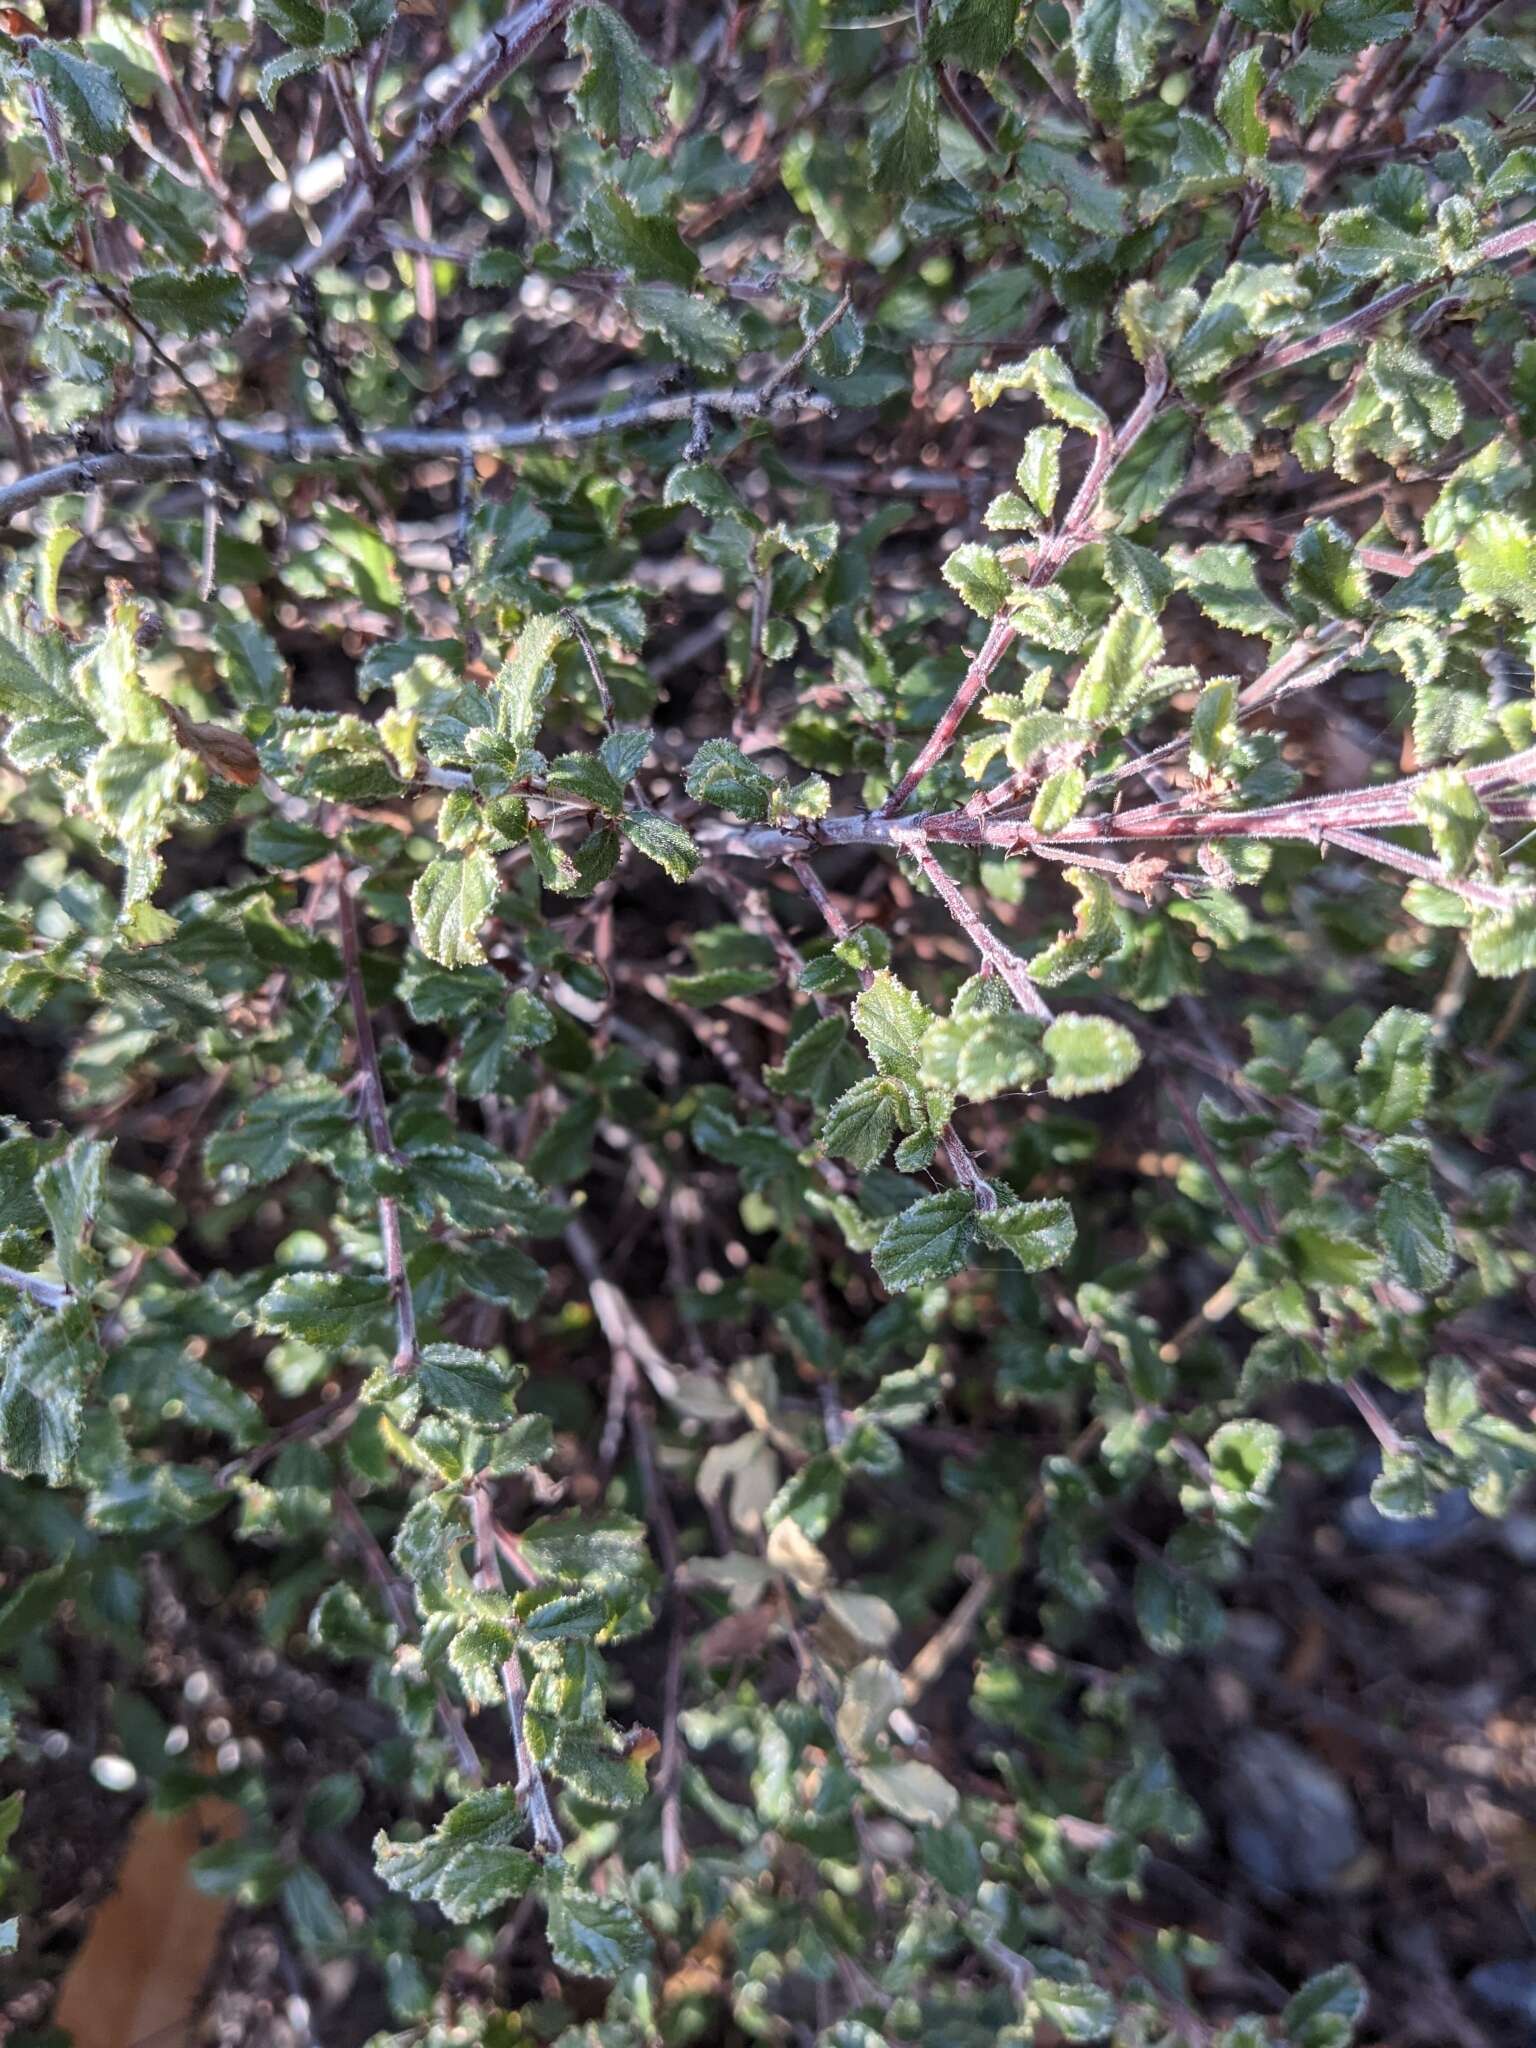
(769, 791)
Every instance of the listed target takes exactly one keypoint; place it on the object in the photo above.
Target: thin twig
(987, 943)
(47, 1293)
(1367, 318)
(531, 1789)
(1052, 555)
(197, 147)
(398, 1600)
(626, 1336)
(306, 444)
(407, 1349)
(88, 472)
(493, 58)
(353, 125)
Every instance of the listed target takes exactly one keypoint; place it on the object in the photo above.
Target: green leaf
(663, 841)
(472, 1384)
(1114, 42)
(1048, 618)
(1116, 674)
(1047, 376)
(1446, 804)
(1078, 2012)
(1327, 580)
(584, 1545)
(861, 1123)
(166, 214)
(814, 1061)
(915, 1792)
(560, 1614)
(86, 94)
(1403, 1490)
(1425, 407)
(585, 779)
(624, 751)
(47, 1372)
(978, 578)
(1039, 471)
(1039, 1234)
(478, 1657)
(470, 1863)
(296, 63)
(1058, 802)
(927, 1242)
(23, 691)
(1143, 481)
(1496, 562)
(1088, 1054)
(1396, 1070)
(34, 1603)
(277, 1129)
(1176, 1613)
(1503, 942)
(1237, 103)
(1451, 1404)
(344, 1627)
(449, 902)
(1326, 2010)
(721, 774)
(189, 301)
(1361, 242)
(593, 1769)
(1416, 1234)
(891, 1021)
(904, 137)
(617, 93)
(1327, 1248)
(646, 245)
(594, 1937)
(1213, 730)
(299, 22)
(330, 1309)
(69, 1188)
(1244, 1458)
(690, 327)
(701, 485)
(719, 985)
(310, 1909)
(1095, 938)
(976, 33)
(553, 865)
(522, 687)
(503, 1273)
(995, 1054)
(1138, 578)
(1223, 582)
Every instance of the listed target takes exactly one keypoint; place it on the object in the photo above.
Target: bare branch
(987, 943)
(531, 1789)
(47, 1293)
(398, 1601)
(1054, 552)
(304, 444)
(1367, 318)
(497, 54)
(87, 472)
(407, 1348)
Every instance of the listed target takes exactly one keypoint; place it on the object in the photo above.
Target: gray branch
(169, 448)
(286, 443)
(48, 1293)
(497, 54)
(87, 471)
